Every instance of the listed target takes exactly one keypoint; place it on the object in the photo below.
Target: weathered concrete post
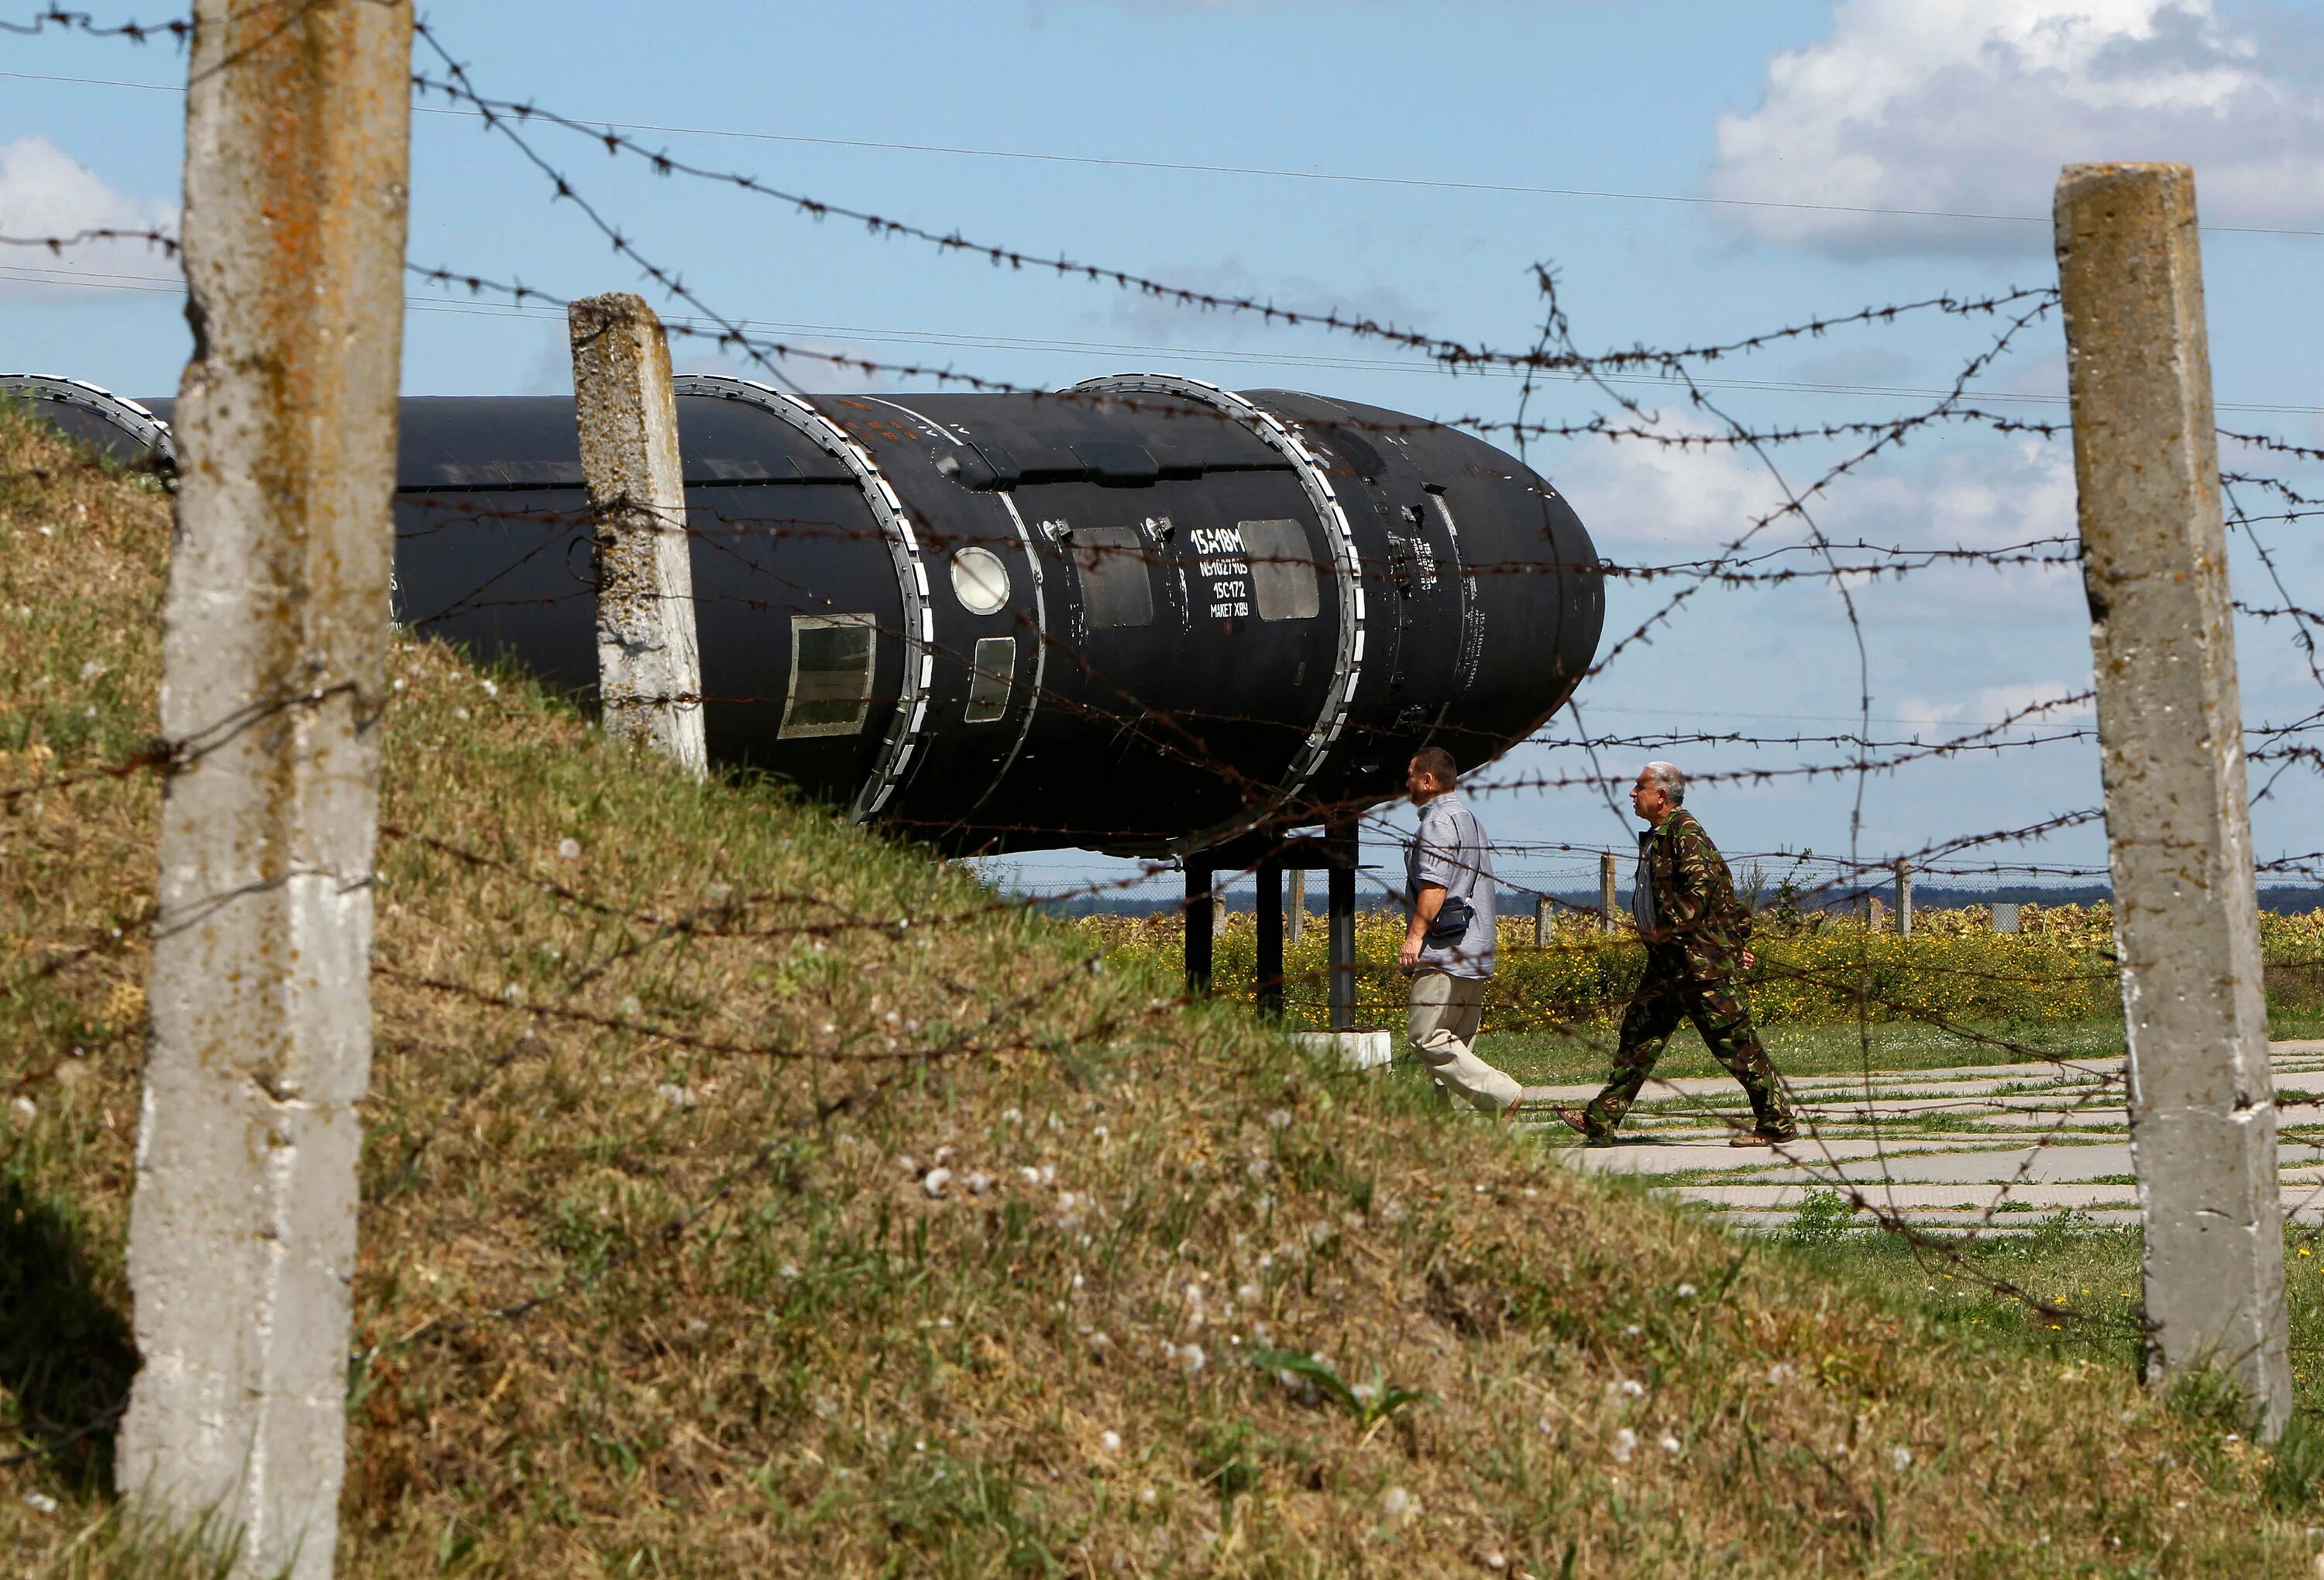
(1903, 898)
(2203, 1109)
(1605, 909)
(242, 1232)
(1295, 918)
(648, 663)
(1545, 925)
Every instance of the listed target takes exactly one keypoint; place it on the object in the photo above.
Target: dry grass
(654, 1280)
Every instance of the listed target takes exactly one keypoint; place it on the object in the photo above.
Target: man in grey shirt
(1450, 864)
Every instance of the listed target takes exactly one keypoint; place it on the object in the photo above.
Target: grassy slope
(647, 1286)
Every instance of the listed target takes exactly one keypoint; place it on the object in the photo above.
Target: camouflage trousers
(1665, 994)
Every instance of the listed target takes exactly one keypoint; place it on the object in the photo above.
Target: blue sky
(1469, 134)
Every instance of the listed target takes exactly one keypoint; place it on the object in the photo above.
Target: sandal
(1575, 1119)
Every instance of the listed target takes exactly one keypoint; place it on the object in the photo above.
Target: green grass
(1585, 1053)
(1543, 1058)
(2056, 1290)
(2061, 1289)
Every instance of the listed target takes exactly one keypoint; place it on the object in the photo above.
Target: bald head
(1660, 790)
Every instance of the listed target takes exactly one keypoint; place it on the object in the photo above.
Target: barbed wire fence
(1725, 569)
(1831, 455)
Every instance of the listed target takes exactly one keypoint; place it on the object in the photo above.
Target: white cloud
(1989, 493)
(1972, 106)
(2036, 706)
(1962, 641)
(46, 192)
(825, 367)
(1043, 9)
(550, 370)
(1644, 502)
(1166, 321)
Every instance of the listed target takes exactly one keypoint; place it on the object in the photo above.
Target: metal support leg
(1199, 918)
(1342, 917)
(1269, 914)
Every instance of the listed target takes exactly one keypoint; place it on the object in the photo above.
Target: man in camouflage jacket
(1697, 935)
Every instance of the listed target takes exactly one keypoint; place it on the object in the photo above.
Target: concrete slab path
(1992, 1149)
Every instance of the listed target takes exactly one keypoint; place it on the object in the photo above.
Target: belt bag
(1451, 924)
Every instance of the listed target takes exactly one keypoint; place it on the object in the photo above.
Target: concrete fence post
(649, 662)
(1294, 920)
(1545, 925)
(1903, 898)
(1605, 892)
(242, 1231)
(2202, 1110)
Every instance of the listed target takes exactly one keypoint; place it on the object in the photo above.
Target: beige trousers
(1441, 1022)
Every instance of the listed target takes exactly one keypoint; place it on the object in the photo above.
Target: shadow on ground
(65, 1356)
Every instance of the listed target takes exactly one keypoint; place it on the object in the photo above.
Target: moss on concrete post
(2202, 1109)
(649, 662)
(242, 1235)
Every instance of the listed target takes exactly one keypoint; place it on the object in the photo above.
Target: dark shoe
(1575, 1119)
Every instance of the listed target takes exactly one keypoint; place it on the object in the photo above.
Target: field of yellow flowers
(2059, 967)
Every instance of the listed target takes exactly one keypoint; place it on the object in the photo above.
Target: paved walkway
(2000, 1146)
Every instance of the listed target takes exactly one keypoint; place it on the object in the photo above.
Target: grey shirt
(1642, 886)
(1451, 849)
